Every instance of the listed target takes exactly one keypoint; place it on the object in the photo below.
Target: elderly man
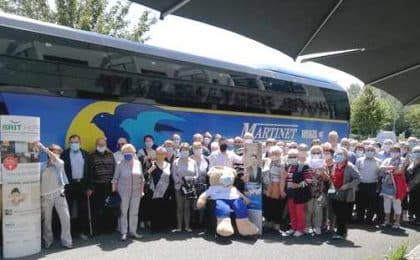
(101, 170)
(367, 197)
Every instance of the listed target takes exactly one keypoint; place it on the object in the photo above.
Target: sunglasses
(315, 153)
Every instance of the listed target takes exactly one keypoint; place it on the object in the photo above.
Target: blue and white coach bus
(95, 85)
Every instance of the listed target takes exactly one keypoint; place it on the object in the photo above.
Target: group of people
(306, 189)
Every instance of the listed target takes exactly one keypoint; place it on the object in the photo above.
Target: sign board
(252, 159)
(21, 212)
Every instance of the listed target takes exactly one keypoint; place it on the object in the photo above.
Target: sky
(200, 39)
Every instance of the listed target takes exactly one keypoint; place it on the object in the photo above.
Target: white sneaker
(406, 218)
(136, 236)
(396, 226)
(289, 232)
(318, 231)
(308, 231)
(298, 234)
(84, 237)
(123, 237)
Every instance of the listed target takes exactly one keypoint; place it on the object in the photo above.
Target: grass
(398, 253)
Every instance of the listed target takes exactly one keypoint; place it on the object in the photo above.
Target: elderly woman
(298, 192)
(128, 181)
(274, 195)
(160, 185)
(315, 206)
(394, 186)
(345, 180)
(183, 169)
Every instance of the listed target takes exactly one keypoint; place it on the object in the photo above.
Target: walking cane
(89, 216)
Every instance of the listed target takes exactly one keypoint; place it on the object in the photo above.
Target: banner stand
(20, 176)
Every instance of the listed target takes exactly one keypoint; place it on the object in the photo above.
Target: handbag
(113, 203)
(334, 194)
(188, 188)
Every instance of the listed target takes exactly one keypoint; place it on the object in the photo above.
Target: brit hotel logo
(263, 131)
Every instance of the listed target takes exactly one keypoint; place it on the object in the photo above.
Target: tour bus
(93, 85)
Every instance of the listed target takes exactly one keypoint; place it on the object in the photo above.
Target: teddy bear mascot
(227, 199)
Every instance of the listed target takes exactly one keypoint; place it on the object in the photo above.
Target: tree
(88, 15)
(412, 117)
(368, 113)
(354, 91)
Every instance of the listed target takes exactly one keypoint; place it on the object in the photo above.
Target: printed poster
(21, 198)
(253, 164)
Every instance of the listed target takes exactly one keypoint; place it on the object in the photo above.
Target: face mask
(339, 158)
(226, 180)
(395, 155)
(230, 147)
(170, 150)
(184, 154)
(177, 142)
(100, 149)
(248, 141)
(223, 148)
(352, 148)
(386, 147)
(415, 156)
(370, 154)
(206, 140)
(292, 161)
(148, 144)
(404, 150)
(316, 156)
(411, 145)
(128, 156)
(327, 156)
(75, 147)
(359, 153)
(198, 151)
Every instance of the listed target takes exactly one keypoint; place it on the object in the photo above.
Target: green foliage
(399, 253)
(386, 111)
(88, 15)
(369, 113)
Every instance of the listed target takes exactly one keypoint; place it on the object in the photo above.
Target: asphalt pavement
(362, 243)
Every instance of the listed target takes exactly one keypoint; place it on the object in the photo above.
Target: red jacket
(400, 185)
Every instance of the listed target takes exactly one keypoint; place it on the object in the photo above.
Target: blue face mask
(415, 156)
(148, 144)
(230, 147)
(370, 154)
(170, 150)
(75, 147)
(339, 158)
(128, 156)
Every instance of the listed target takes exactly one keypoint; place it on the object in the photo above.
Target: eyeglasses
(315, 153)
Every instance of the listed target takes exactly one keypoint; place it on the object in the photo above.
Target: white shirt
(49, 182)
(224, 159)
(222, 192)
(77, 165)
(118, 156)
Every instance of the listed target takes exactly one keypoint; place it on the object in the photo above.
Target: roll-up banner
(20, 175)
(253, 164)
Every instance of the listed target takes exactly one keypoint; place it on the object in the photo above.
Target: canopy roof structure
(378, 40)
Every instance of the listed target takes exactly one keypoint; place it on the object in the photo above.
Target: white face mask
(206, 140)
(101, 149)
(248, 141)
(316, 156)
